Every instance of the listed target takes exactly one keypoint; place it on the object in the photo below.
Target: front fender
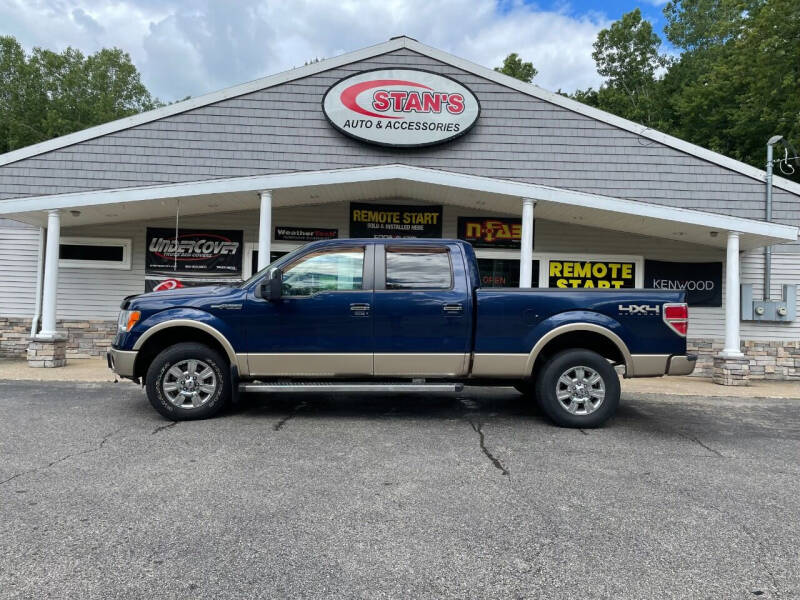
(183, 317)
(576, 320)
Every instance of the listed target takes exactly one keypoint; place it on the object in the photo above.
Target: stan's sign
(401, 107)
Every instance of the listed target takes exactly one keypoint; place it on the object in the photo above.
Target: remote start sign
(401, 107)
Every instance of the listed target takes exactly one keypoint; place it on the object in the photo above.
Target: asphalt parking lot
(468, 496)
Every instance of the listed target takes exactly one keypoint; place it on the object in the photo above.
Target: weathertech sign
(401, 107)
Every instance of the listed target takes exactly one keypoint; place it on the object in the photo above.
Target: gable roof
(383, 48)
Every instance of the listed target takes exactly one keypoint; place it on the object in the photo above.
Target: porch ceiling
(398, 182)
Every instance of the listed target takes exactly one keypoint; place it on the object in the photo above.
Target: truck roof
(403, 241)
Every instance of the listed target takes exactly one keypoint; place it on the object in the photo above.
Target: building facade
(260, 169)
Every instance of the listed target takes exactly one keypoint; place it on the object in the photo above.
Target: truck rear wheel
(188, 381)
(578, 388)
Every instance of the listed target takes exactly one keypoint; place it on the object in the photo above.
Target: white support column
(50, 292)
(526, 251)
(732, 309)
(265, 229)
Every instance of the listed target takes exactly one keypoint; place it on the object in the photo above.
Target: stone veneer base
(47, 352)
(731, 371)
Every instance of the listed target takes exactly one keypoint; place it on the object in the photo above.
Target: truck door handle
(359, 308)
(453, 309)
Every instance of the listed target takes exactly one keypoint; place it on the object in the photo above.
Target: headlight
(127, 319)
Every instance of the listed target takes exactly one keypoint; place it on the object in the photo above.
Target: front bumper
(682, 365)
(122, 362)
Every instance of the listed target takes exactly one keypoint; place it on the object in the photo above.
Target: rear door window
(418, 268)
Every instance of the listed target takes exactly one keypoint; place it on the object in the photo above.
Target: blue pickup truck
(395, 315)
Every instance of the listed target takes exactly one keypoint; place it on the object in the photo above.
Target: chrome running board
(310, 386)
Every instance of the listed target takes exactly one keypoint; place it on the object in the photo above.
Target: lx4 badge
(639, 309)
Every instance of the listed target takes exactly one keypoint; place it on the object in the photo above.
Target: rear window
(418, 269)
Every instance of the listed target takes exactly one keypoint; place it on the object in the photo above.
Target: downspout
(37, 314)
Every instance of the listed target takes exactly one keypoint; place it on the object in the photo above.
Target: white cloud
(185, 47)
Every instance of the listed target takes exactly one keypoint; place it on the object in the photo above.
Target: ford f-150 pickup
(397, 315)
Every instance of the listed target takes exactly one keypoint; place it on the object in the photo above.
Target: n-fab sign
(401, 107)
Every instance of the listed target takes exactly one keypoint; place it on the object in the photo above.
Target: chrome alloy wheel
(580, 390)
(189, 383)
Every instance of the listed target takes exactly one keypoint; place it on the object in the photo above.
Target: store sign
(203, 251)
(395, 221)
(305, 234)
(702, 282)
(160, 284)
(401, 107)
(500, 232)
(591, 274)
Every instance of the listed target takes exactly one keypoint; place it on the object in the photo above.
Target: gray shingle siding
(282, 129)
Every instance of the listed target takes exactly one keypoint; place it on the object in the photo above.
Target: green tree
(47, 94)
(514, 67)
(737, 81)
(628, 55)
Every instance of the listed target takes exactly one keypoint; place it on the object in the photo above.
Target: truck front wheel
(188, 381)
(578, 388)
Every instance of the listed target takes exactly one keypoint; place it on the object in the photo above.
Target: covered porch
(266, 193)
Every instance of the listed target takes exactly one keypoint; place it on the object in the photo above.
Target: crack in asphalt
(478, 428)
(63, 458)
(701, 444)
(279, 425)
(163, 427)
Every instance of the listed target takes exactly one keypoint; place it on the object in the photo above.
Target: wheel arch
(581, 335)
(167, 333)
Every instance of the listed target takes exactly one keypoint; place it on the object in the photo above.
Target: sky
(191, 47)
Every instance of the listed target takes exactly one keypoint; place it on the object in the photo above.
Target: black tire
(571, 412)
(159, 376)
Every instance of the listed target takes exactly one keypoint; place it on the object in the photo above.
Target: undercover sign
(702, 282)
(490, 233)
(395, 221)
(195, 251)
(401, 107)
(592, 274)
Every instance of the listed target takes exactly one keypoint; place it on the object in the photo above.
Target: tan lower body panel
(648, 365)
(421, 365)
(500, 365)
(309, 365)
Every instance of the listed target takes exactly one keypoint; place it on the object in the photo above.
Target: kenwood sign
(401, 107)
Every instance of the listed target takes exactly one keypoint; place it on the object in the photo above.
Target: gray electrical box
(781, 311)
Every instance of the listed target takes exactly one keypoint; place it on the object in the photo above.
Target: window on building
(327, 270)
(418, 269)
(94, 253)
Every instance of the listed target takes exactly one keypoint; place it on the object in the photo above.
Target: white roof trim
(383, 48)
(401, 172)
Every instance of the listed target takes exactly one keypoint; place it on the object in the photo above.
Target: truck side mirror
(271, 288)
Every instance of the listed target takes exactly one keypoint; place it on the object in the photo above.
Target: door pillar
(526, 249)
(265, 229)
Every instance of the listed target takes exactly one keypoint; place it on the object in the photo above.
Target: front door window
(327, 270)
